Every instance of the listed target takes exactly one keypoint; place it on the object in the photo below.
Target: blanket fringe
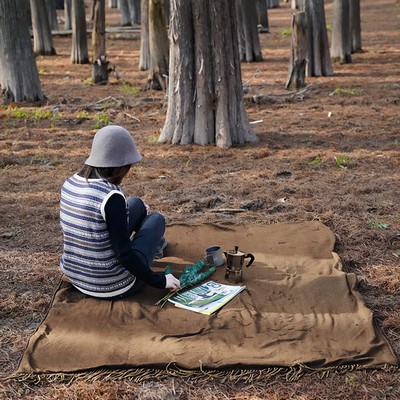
(138, 375)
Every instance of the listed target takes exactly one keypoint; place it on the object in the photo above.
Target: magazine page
(208, 309)
(206, 298)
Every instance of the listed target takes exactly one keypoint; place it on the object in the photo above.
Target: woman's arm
(117, 224)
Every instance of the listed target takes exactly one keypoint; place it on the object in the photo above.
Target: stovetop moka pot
(234, 263)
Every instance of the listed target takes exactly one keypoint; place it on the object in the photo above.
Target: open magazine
(206, 298)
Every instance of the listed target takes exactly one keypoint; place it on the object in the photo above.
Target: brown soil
(291, 175)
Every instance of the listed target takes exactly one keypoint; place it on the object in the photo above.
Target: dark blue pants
(148, 229)
(146, 233)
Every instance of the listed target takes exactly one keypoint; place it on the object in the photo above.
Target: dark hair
(111, 174)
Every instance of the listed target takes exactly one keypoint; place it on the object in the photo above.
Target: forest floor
(330, 152)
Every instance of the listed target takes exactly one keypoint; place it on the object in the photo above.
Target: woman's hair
(111, 174)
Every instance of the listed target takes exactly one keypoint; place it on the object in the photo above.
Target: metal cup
(214, 255)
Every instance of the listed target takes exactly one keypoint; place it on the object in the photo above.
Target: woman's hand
(172, 282)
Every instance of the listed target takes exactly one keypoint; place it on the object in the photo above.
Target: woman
(109, 243)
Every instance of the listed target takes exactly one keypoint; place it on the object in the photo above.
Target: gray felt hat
(113, 146)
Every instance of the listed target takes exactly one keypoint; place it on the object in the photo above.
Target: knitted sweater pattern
(88, 259)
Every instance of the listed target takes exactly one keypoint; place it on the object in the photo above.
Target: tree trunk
(67, 14)
(298, 52)
(125, 13)
(205, 95)
(167, 11)
(262, 16)
(319, 61)
(19, 77)
(341, 39)
(100, 64)
(79, 53)
(249, 41)
(355, 26)
(52, 11)
(134, 11)
(158, 44)
(144, 60)
(298, 5)
(272, 3)
(204, 89)
(112, 3)
(42, 37)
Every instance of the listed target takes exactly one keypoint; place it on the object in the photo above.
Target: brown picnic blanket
(299, 308)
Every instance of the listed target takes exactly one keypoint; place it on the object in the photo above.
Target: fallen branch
(102, 104)
(299, 95)
(105, 99)
(131, 116)
(113, 100)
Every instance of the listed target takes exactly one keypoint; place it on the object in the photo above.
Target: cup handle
(249, 255)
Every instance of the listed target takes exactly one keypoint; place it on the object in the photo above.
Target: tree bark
(341, 39)
(205, 95)
(125, 13)
(249, 41)
(79, 53)
(134, 11)
(19, 77)
(355, 26)
(42, 36)
(51, 9)
(262, 16)
(204, 110)
(100, 64)
(144, 60)
(158, 45)
(298, 52)
(272, 3)
(167, 11)
(319, 61)
(67, 14)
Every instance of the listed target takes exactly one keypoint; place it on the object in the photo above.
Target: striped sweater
(88, 259)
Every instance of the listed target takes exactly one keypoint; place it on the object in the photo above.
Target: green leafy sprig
(190, 276)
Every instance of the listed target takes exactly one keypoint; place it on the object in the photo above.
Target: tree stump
(100, 71)
(298, 52)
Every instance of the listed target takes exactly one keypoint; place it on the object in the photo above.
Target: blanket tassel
(138, 375)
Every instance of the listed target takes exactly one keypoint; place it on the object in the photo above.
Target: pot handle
(249, 255)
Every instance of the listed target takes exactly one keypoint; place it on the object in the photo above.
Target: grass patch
(342, 161)
(83, 114)
(37, 114)
(130, 89)
(20, 114)
(137, 169)
(35, 160)
(373, 224)
(88, 81)
(285, 32)
(344, 91)
(101, 120)
(316, 161)
(153, 139)
(42, 114)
